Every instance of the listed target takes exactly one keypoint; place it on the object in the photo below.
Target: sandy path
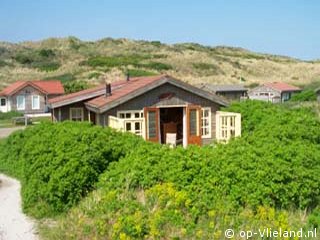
(14, 225)
(5, 132)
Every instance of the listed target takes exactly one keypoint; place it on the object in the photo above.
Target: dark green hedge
(59, 164)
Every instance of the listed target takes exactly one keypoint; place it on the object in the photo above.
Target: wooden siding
(63, 113)
(28, 92)
(151, 99)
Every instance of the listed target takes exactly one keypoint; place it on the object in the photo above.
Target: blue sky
(285, 27)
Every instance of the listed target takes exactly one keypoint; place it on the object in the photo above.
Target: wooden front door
(193, 124)
(151, 116)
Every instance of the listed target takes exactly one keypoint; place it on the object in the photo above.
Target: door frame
(157, 138)
(193, 139)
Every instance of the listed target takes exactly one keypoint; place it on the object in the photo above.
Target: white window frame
(70, 113)
(132, 120)
(32, 103)
(209, 135)
(5, 102)
(23, 107)
(228, 125)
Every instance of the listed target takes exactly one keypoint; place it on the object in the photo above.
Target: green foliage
(306, 95)
(43, 60)
(149, 191)
(135, 60)
(61, 162)
(203, 66)
(208, 68)
(139, 73)
(3, 63)
(94, 75)
(46, 53)
(116, 61)
(157, 66)
(63, 78)
(10, 115)
(46, 66)
(75, 86)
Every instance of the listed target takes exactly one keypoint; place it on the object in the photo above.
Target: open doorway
(171, 122)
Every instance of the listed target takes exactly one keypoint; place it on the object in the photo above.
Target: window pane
(3, 102)
(137, 115)
(128, 115)
(193, 122)
(20, 102)
(128, 126)
(121, 115)
(152, 124)
(35, 102)
(137, 126)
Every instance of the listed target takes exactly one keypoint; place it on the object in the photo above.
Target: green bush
(46, 53)
(46, 66)
(149, 191)
(116, 61)
(157, 66)
(58, 164)
(75, 86)
(42, 60)
(10, 115)
(306, 95)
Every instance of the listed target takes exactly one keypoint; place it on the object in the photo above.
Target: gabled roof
(138, 86)
(82, 95)
(223, 87)
(282, 87)
(47, 87)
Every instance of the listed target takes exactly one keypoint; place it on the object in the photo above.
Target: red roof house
(29, 96)
(158, 108)
(273, 92)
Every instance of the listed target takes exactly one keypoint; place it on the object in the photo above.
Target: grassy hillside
(70, 59)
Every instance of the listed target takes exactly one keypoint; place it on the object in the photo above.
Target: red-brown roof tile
(126, 88)
(283, 87)
(51, 87)
(77, 94)
(47, 87)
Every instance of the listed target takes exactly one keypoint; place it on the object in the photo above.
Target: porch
(178, 125)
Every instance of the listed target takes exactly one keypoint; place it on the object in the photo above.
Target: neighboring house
(158, 108)
(232, 92)
(29, 97)
(273, 92)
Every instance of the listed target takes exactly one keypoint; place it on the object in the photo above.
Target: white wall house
(275, 92)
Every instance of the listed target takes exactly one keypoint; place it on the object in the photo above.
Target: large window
(133, 121)
(21, 102)
(206, 123)
(3, 102)
(76, 114)
(35, 102)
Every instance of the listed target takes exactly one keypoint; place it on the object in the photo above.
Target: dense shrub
(116, 61)
(46, 66)
(306, 95)
(44, 60)
(149, 191)
(75, 86)
(134, 60)
(60, 163)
